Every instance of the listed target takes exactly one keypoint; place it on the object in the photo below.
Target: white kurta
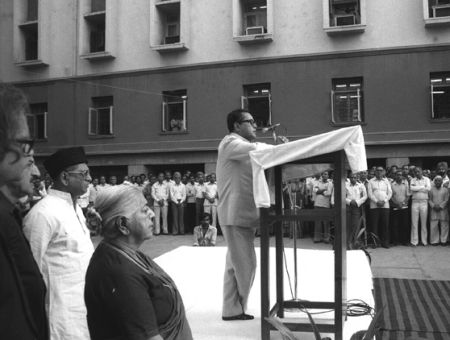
(62, 248)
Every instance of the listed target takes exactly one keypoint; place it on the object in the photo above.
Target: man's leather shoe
(242, 316)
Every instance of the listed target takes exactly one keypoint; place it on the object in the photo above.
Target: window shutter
(244, 103)
(44, 127)
(164, 115)
(184, 114)
(332, 107)
(432, 101)
(270, 109)
(92, 121)
(111, 120)
(358, 92)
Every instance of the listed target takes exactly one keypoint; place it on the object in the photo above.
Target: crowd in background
(180, 201)
(414, 208)
(404, 205)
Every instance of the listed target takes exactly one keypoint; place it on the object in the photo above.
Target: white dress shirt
(379, 190)
(355, 192)
(160, 192)
(420, 188)
(178, 192)
(190, 192)
(210, 192)
(199, 190)
(62, 248)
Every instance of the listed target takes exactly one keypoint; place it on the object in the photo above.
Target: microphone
(270, 128)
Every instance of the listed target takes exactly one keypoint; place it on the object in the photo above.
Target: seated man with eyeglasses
(61, 244)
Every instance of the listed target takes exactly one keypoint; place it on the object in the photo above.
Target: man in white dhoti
(61, 244)
(237, 212)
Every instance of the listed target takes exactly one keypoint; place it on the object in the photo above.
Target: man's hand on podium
(283, 139)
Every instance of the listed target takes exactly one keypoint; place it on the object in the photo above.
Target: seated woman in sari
(127, 295)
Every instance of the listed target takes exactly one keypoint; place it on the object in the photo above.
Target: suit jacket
(22, 289)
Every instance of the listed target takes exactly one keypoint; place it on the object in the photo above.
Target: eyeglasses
(26, 145)
(250, 121)
(85, 173)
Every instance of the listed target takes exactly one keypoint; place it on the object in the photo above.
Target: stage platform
(198, 273)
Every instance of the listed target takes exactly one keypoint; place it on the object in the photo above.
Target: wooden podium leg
(265, 299)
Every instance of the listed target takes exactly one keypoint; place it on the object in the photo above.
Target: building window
(169, 25)
(37, 121)
(252, 21)
(174, 111)
(101, 116)
(344, 16)
(257, 100)
(345, 12)
(96, 25)
(29, 31)
(438, 8)
(347, 101)
(255, 17)
(440, 95)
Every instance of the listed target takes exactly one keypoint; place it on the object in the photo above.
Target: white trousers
(434, 231)
(419, 209)
(158, 212)
(240, 268)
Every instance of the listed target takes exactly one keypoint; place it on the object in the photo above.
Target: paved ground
(428, 263)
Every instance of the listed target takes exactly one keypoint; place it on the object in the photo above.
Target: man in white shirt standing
(420, 186)
(61, 244)
(355, 196)
(238, 214)
(323, 191)
(189, 211)
(200, 188)
(178, 197)
(160, 195)
(380, 192)
(210, 203)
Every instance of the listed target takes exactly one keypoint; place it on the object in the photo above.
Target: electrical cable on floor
(355, 307)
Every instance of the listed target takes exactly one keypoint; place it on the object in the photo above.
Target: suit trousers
(400, 226)
(177, 218)
(419, 209)
(160, 212)
(199, 209)
(353, 219)
(321, 229)
(240, 268)
(379, 220)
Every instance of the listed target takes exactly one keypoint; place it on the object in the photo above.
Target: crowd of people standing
(404, 205)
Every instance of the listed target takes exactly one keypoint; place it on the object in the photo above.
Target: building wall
(297, 30)
(394, 56)
(396, 103)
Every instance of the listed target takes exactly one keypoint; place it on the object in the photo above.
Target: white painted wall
(297, 30)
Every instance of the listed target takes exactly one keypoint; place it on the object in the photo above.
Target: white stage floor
(198, 273)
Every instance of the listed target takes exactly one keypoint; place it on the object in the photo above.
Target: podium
(337, 215)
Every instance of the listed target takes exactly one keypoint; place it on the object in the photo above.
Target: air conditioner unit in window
(344, 19)
(441, 11)
(254, 30)
(172, 39)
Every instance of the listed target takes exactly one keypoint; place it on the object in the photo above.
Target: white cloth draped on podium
(349, 139)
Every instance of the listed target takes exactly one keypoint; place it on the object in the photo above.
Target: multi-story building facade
(146, 84)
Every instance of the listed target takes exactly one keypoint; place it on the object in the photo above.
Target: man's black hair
(233, 117)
